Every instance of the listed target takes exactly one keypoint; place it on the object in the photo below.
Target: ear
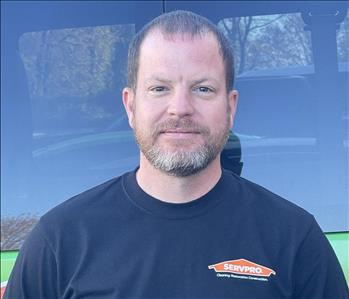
(128, 97)
(233, 102)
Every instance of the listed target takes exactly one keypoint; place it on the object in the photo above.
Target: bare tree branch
(14, 230)
(267, 23)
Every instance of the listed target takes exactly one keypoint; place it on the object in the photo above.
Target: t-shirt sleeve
(317, 272)
(35, 272)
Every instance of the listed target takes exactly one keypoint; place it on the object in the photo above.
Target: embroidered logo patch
(242, 267)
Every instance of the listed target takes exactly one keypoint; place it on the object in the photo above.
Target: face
(180, 111)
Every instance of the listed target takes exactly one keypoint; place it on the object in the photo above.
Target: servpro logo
(242, 267)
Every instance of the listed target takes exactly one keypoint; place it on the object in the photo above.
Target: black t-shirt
(237, 241)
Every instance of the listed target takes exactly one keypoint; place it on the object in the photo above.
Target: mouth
(179, 133)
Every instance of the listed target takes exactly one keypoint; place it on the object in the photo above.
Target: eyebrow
(203, 80)
(156, 78)
(194, 82)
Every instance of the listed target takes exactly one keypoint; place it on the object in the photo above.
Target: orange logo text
(242, 266)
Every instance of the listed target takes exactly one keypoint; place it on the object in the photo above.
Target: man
(178, 226)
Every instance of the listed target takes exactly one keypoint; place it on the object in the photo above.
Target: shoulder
(266, 208)
(83, 207)
(257, 195)
(91, 197)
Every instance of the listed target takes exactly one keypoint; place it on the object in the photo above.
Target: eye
(158, 89)
(203, 89)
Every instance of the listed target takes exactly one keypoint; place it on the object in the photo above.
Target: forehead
(180, 51)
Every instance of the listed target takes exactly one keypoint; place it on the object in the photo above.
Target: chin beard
(181, 163)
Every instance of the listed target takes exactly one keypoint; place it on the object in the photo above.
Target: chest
(188, 259)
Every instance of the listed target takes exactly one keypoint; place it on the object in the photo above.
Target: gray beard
(180, 163)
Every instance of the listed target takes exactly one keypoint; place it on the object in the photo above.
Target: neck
(174, 189)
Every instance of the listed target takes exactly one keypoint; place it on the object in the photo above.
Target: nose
(181, 104)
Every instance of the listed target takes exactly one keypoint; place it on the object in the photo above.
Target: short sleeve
(35, 272)
(317, 272)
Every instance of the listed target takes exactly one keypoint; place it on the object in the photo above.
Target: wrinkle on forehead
(183, 36)
(177, 55)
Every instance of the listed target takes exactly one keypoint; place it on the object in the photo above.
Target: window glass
(64, 128)
(79, 131)
(293, 130)
(75, 78)
(268, 42)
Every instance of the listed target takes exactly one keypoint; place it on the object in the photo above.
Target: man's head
(179, 102)
(180, 22)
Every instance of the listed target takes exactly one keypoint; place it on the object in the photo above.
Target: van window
(268, 42)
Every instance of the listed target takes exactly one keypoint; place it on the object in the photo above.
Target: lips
(179, 131)
(180, 134)
(180, 128)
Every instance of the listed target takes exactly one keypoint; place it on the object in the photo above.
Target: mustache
(183, 123)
